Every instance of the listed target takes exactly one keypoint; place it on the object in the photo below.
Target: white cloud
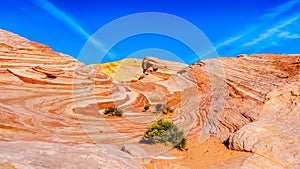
(270, 32)
(274, 43)
(293, 36)
(63, 17)
(281, 9)
(60, 15)
(267, 17)
(229, 41)
(288, 35)
(283, 34)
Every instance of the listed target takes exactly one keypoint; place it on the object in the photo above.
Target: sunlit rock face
(52, 104)
(247, 82)
(275, 136)
(39, 127)
(132, 70)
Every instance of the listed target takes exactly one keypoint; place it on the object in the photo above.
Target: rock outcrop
(29, 154)
(132, 70)
(275, 136)
(51, 104)
(247, 82)
(164, 65)
(39, 128)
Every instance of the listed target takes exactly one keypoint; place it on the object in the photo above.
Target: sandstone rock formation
(248, 81)
(51, 104)
(39, 128)
(164, 65)
(275, 136)
(131, 70)
(242, 55)
(125, 70)
(33, 154)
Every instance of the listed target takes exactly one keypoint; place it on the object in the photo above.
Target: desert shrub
(161, 108)
(167, 110)
(113, 111)
(146, 107)
(165, 132)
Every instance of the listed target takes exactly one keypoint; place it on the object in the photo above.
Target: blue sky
(233, 27)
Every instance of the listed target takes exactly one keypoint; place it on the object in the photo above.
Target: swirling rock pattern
(51, 100)
(39, 128)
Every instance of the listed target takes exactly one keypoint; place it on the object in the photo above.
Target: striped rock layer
(52, 105)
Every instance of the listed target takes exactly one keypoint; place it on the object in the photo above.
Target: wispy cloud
(60, 15)
(283, 34)
(288, 35)
(281, 9)
(73, 25)
(229, 41)
(293, 36)
(270, 32)
(264, 29)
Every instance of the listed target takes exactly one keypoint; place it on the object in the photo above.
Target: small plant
(146, 107)
(167, 110)
(113, 111)
(165, 132)
(161, 108)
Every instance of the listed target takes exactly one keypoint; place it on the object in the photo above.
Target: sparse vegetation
(165, 132)
(161, 108)
(113, 111)
(167, 110)
(146, 107)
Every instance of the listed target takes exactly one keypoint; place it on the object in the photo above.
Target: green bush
(165, 132)
(161, 108)
(113, 111)
(146, 107)
(167, 110)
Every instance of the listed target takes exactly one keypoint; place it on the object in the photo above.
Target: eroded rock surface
(132, 70)
(275, 136)
(44, 155)
(38, 125)
(231, 91)
(52, 100)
